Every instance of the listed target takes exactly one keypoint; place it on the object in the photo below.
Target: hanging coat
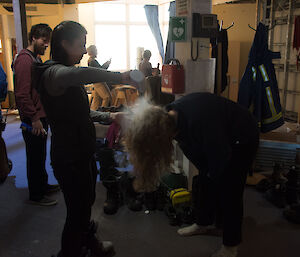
(258, 89)
(221, 37)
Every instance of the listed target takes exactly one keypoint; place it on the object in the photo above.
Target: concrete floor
(33, 231)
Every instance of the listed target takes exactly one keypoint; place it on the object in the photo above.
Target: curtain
(152, 19)
(170, 47)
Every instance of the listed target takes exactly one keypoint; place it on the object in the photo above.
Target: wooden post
(20, 24)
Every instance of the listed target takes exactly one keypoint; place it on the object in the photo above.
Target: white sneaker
(194, 230)
(226, 251)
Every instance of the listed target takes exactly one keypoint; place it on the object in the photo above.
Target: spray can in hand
(25, 127)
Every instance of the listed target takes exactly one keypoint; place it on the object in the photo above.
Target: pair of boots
(93, 247)
(155, 200)
(132, 199)
(111, 108)
(285, 191)
(119, 190)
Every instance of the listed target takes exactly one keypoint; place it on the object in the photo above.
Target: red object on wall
(172, 77)
(296, 42)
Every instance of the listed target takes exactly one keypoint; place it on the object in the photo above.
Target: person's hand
(118, 117)
(107, 63)
(128, 78)
(38, 129)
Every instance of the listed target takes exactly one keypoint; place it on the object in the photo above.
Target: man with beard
(32, 113)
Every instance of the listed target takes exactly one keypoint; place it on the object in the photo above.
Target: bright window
(111, 44)
(110, 12)
(137, 13)
(141, 36)
(120, 29)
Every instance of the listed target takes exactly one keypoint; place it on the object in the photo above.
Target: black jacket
(258, 88)
(209, 127)
(73, 133)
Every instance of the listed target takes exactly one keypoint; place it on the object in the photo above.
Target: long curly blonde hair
(148, 140)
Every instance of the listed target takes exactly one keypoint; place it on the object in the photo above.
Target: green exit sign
(178, 28)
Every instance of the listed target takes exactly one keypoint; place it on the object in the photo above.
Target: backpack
(3, 84)
(178, 200)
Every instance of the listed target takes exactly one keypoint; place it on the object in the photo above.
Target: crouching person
(219, 137)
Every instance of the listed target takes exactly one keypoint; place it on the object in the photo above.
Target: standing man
(146, 66)
(32, 113)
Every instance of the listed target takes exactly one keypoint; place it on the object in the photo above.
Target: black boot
(96, 247)
(292, 213)
(161, 197)
(113, 195)
(277, 195)
(133, 200)
(106, 159)
(293, 185)
(150, 200)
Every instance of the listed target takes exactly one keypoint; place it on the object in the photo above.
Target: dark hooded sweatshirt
(208, 127)
(66, 104)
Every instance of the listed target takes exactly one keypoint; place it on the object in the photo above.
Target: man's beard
(40, 50)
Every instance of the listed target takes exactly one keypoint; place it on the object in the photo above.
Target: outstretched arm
(59, 77)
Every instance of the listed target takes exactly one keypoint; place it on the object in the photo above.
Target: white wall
(86, 17)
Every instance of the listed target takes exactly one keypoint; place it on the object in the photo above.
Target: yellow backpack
(180, 196)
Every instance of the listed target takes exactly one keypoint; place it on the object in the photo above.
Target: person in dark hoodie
(32, 113)
(61, 86)
(219, 137)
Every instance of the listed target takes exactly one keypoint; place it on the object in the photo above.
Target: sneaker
(50, 189)
(102, 249)
(195, 230)
(226, 251)
(44, 202)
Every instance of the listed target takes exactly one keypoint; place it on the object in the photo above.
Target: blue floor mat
(16, 152)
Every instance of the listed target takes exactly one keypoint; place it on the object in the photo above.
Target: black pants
(77, 181)
(221, 201)
(35, 160)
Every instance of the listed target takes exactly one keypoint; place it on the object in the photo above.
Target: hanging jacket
(296, 41)
(221, 37)
(258, 89)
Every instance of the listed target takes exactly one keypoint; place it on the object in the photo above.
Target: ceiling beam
(41, 1)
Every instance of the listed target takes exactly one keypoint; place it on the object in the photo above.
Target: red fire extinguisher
(172, 77)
